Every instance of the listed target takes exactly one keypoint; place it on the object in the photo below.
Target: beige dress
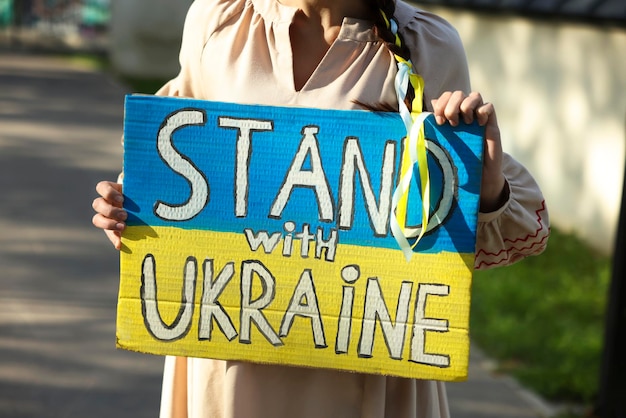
(240, 51)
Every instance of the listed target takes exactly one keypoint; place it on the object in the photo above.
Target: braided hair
(383, 13)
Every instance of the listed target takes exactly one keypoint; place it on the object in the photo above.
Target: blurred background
(556, 72)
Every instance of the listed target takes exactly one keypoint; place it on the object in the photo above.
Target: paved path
(59, 134)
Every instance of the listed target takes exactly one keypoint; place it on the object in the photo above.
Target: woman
(338, 54)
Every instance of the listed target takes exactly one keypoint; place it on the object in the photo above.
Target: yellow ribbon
(414, 150)
(414, 153)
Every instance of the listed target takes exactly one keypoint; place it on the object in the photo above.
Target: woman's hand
(110, 216)
(454, 106)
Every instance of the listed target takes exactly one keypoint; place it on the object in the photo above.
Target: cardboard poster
(262, 234)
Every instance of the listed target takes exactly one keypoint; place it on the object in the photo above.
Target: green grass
(543, 318)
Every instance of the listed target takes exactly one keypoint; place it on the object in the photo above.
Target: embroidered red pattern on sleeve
(516, 249)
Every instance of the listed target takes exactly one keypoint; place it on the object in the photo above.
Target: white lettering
(152, 318)
(330, 245)
(251, 310)
(244, 153)
(262, 238)
(349, 274)
(304, 303)
(210, 308)
(179, 163)
(423, 324)
(353, 162)
(305, 238)
(375, 307)
(314, 178)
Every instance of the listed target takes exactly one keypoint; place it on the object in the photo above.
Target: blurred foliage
(143, 85)
(6, 12)
(91, 61)
(88, 13)
(101, 63)
(96, 12)
(543, 318)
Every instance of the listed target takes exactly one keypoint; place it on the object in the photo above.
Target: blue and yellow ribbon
(414, 151)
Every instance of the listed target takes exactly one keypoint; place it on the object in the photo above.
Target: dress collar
(360, 30)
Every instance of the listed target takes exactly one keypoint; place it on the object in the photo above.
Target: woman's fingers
(110, 203)
(454, 106)
(111, 192)
(470, 106)
(485, 114)
(439, 106)
(112, 228)
(103, 222)
(115, 237)
(110, 215)
(103, 207)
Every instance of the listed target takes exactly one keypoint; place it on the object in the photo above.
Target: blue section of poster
(227, 167)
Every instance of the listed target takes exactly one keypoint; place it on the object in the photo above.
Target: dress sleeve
(203, 18)
(437, 52)
(518, 229)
